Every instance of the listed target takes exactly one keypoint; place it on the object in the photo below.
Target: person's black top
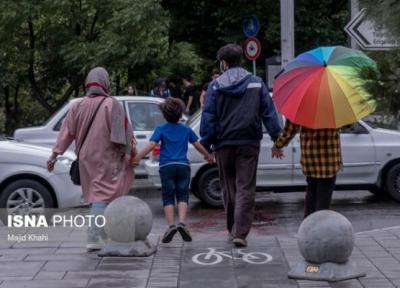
(191, 91)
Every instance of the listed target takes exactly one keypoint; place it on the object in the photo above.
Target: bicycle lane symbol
(213, 257)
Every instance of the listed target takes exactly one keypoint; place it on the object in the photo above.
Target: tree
(385, 12)
(49, 45)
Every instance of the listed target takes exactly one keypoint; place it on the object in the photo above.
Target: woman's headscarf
(98, 84)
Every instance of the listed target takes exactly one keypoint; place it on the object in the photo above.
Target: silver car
(371, 160)
(142, 111)
(25, 183)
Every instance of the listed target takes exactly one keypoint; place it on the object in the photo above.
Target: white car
(142, 111)
(371, 160)
(25, 183)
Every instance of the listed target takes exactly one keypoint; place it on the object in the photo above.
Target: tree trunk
(7, 106)
(16, 104)
(117, 85)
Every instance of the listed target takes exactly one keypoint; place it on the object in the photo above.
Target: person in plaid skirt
(321, 159)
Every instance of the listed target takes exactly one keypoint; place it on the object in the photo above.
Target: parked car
(142, 111)
(371, 160)
(27, 186)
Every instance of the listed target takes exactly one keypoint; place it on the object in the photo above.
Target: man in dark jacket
(236, 105)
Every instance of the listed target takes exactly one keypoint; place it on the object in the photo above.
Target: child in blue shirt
(174, 164)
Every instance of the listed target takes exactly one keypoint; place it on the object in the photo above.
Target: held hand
(210, 159)
(277, 153)
(50, 163)
(135, 161)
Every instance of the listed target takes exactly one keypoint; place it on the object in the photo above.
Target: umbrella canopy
(321, 88)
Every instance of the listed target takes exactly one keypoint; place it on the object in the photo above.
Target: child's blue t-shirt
(174, 142)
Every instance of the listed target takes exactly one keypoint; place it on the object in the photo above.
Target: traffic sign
(251, 26)
(252, 48)
(369, 34)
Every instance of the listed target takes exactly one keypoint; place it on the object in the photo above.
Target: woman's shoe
(184, 232)
(169, 234)
(91, 247)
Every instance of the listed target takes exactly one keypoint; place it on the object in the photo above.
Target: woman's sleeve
(289, 132)
(67, 132)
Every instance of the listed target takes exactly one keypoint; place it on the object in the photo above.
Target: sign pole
(254, 67)
(354, 9)
(287, 31)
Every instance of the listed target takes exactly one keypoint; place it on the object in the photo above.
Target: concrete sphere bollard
(128, 219)
(326, 236)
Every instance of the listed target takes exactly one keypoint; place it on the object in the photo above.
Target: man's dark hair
(231, 53)
(172, 109)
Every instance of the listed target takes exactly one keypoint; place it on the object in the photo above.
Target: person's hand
(187, 110)
(210, 158)
(277, 153)
(51, 162)
(135, 161)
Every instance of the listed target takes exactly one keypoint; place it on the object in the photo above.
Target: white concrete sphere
(326, 236)
(128, 219)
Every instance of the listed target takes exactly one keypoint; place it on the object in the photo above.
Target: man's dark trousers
(237, 167)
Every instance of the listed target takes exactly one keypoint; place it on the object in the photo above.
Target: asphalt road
(282, 213)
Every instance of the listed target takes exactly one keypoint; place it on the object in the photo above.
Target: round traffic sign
(252, 48)
(251, 26)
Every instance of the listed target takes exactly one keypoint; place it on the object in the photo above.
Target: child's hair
(172, 109)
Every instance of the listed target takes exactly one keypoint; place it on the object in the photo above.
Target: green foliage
(384, 12)
(320, 23)
(48, 46)
(384, 83)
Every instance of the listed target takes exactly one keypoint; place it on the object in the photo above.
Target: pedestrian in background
(174, 165)
(132, 91)
(104, 144)
(190, 96)
(160, 89)
(321, 159)
(236, 105)
(214, 76)
(173, 88)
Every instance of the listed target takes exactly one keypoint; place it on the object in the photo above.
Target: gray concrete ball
(128, 219)
(326, 236)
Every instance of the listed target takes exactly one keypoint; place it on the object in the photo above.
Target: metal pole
(254, 67)
(287, 31)
(354, 9)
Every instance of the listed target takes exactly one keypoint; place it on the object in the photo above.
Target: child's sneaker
(169, 234)
(184, 232)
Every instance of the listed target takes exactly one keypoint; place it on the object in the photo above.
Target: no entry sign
(252, 48)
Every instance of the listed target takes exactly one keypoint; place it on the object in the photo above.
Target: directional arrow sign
(370, 35)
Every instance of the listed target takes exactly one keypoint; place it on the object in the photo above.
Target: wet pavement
(282, 213)
(210, 260)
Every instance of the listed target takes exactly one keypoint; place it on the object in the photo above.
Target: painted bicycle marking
(213, 257)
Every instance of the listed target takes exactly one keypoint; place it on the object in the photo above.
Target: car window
(57, 127)
(145, 116)
(356, 128)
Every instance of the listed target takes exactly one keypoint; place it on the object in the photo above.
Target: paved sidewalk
(62, 262)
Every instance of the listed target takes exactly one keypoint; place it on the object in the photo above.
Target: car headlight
(66, 161)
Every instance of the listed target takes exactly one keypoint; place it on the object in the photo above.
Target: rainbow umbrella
(321, 88)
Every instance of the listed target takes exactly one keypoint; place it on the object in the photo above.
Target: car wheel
(393, 182)
(25, 197)
(209, 190)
